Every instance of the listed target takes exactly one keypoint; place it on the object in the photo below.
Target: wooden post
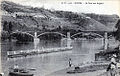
(0, 59)
(1, 74)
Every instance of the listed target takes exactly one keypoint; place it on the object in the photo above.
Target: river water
(83, 51)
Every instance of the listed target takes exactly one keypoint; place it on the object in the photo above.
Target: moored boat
(20, 72)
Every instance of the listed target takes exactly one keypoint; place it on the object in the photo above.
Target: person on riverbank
(70, 62)
(16, 68)
(113, 58)
(112, 66)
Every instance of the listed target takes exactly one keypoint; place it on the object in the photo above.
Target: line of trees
(8, 27)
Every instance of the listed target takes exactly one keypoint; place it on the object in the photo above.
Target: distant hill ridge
(41, 18)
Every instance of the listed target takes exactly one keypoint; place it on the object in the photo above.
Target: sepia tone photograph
(59, 38)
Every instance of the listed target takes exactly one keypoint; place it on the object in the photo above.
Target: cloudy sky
(80, 6)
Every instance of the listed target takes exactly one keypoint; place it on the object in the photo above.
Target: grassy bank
(89, 67)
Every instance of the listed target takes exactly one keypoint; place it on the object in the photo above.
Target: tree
(58, 28)
(10, 27)
(5, 26)
(117, 32)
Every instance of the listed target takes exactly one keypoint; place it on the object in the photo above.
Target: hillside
(82, 20)
(29, 18)
(107, 20)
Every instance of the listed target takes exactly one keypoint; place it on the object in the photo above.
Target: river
(83, 51)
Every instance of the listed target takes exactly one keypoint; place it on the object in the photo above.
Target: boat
(20, 72)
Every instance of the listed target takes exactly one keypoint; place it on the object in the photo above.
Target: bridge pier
(68, 39)
(105, 41)
(36, 40)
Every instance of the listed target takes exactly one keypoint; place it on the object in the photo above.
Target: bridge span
(31, 35)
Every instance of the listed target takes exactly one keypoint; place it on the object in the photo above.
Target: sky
(80, 6)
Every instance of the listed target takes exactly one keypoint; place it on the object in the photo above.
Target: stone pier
(36, 40)
(105, 41)
(68, 39)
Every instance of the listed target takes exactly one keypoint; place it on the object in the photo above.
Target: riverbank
(89, 67)
(106, 55)
(93, 69)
